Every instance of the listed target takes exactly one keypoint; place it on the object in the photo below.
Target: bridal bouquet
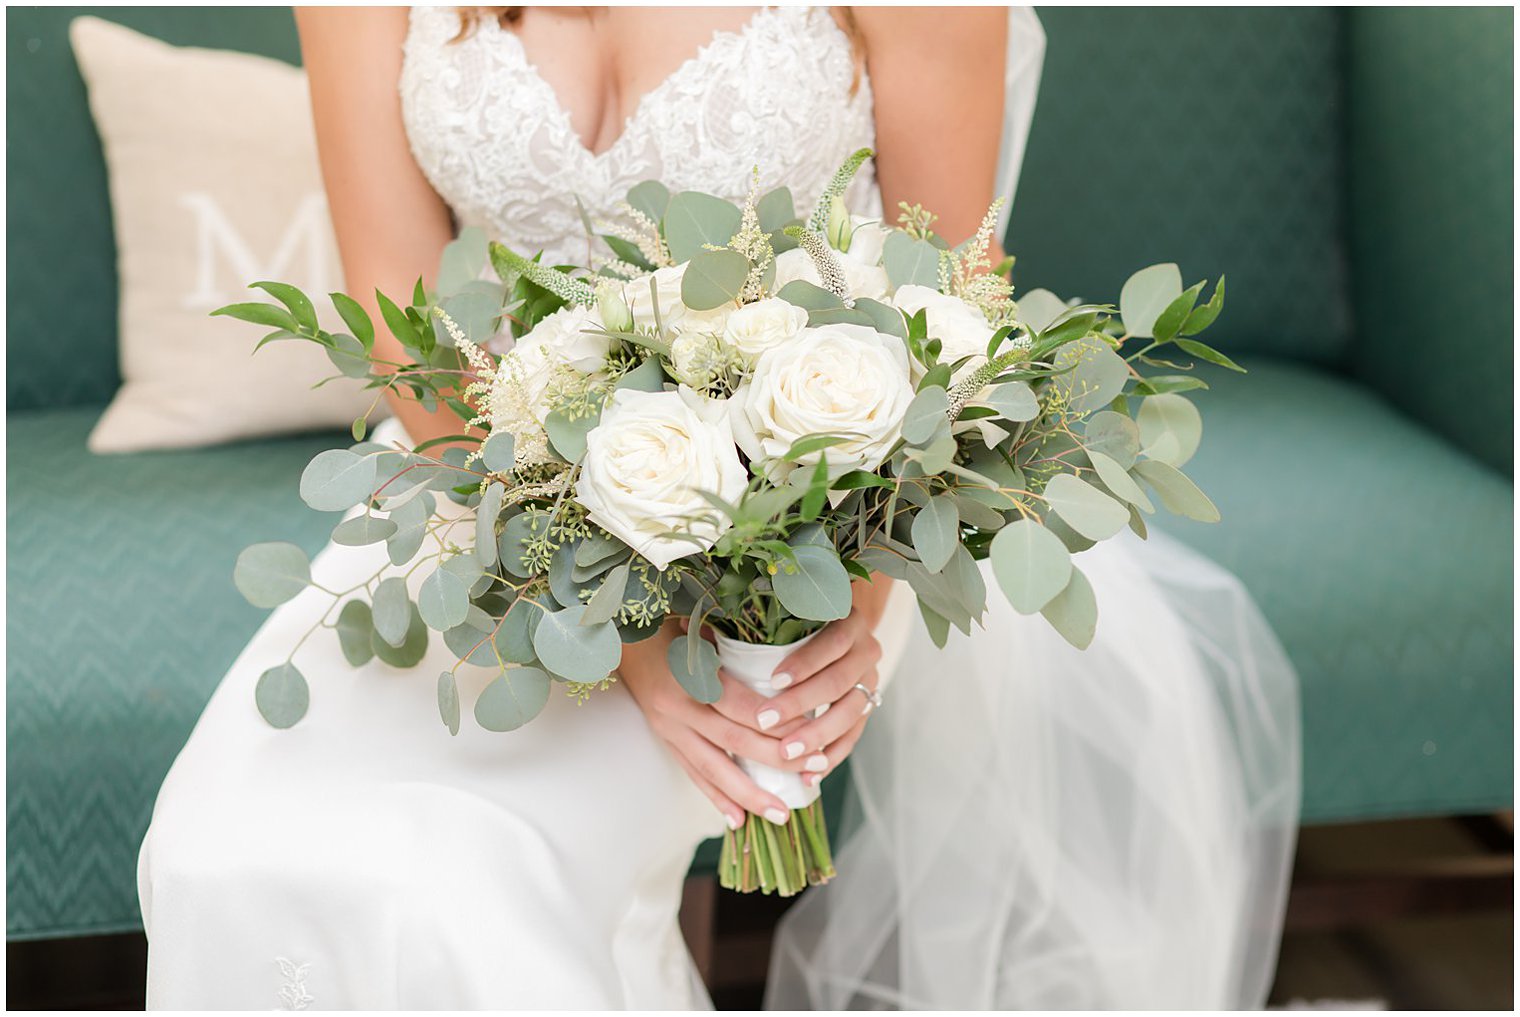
(729, 419)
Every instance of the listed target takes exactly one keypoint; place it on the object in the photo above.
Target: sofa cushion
(58, 217)
(121, 619)
(1214, 142)
(1382, 556)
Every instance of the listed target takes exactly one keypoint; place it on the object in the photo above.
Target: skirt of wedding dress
(365, 858)
(1038, 827)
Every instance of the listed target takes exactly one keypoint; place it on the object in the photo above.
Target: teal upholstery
(107, 671)
(1370, 518)
(1208, 136)
(1390, 588)
(1433, 174)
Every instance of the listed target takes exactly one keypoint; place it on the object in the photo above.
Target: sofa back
(1432, 212)
(61, 273)
(1210, 137)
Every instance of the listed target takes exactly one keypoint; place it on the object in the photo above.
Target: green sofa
(1350, 171)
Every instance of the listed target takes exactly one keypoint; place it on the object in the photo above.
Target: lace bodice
(497, 145)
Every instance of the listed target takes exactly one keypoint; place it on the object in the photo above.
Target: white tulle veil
(1035, 827)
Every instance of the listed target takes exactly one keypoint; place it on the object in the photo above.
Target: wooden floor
(1457, 954)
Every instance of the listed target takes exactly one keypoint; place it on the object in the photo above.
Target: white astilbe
(643, 234)
(752, 242)
(967, 273)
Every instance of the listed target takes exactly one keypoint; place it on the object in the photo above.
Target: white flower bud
(614, 310)
(840, 228)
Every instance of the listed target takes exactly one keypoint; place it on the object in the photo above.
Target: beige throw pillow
(214, 184)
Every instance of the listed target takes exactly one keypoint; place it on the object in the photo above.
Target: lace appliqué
(493, 139)
(293, 994)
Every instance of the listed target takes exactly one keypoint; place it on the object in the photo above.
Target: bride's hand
(701, 735)
(825, 671)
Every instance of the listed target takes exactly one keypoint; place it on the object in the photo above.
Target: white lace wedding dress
(1032, 826)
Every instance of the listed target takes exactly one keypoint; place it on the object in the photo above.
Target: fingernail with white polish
(793, 750)
(781, 681)
(776, 816)
(768, 719)
(811, 779)
(817, 763)
(733, 824)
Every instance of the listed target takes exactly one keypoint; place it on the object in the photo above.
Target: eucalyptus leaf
(1038, 309)
(443, 599)
(411, 521)
(1114, 435)
(803, 294)
(1085, 508)
(512, 699)
(1145, 295)
(498, 452)
(583, 653)
(909, 260)
(1014, 400)
(1074, 611)
(413, 646)
(885, 318)
(700, 682)
(713, 278)
(567, 435)
(464, 258)
(1170, 428)
(647, 377)
(693, 219)
(925, 415)
(1030, 563)
(363, 529)
(349, 356)
(815, 586)
(282, 695)
(355, 631)
(1118, 480)
(936, 532)
(269, 574)
(337, 479)
(485, 523)
(608, 599)
(1177, 492)
(1097, 374)
(392, 610)
(448, 701)
(650, 197)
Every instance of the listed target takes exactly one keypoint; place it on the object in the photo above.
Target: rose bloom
(962, 329)
(763, 325)
(557, 346)
(646, 464)
(845, 380)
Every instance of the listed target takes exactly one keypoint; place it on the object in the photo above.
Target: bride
(1029, 825)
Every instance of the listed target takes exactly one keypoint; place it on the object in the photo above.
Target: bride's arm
(937, 79)
(391, 226)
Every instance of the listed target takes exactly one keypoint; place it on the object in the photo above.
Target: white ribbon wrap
(753, 664)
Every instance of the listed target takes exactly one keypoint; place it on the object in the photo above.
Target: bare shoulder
(933, 32)
(355, 27)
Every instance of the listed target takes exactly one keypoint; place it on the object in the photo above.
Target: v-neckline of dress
(720, 37)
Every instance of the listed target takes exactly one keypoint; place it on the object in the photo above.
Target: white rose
(666, 289)
(566, 340)
(557, 347)
(646, 463)
(863, 276)
(845, 380)
(765, 324)
(962, 329)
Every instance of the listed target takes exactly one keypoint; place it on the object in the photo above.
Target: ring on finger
(873, 698)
